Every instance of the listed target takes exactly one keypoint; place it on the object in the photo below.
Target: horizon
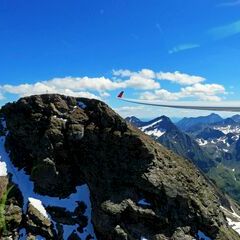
(177, 119)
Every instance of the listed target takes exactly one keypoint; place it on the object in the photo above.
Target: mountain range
(211, 142)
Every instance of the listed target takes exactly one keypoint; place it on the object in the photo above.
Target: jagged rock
(180, 234)
(89, 237)
(13, 216)
(80, 209)
(11, 211)
(45, 175)
(30, 236)
(74, 236)
(121, 166)
(75, 132)
(120, 234)
(60, 231)
(38, 224)
(61, 215)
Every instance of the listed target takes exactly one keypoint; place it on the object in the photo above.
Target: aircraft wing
(192, 105)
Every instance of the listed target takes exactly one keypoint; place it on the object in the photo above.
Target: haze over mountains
(211, 142)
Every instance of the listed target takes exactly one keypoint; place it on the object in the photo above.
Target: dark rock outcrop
(38, 224)
(51, 136)
(11, 215)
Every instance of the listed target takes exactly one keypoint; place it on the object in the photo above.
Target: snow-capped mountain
(218, 139)
(163, 130)
(157, 127)
(221, 142)
(213, 147)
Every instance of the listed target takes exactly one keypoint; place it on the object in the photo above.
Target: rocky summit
(77, 170)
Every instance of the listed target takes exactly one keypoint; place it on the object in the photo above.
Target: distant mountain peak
(236, 118)
(134, 121)
(187, 123)
(213, 114)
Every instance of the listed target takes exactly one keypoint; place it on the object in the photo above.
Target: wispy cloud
(183, 47)
(225, 31)
(229, 3)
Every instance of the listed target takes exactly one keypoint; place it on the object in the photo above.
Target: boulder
(38, 224)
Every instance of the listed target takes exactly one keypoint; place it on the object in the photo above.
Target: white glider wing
(193, 105)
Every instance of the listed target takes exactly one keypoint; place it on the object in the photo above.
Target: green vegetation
(227, 179)
(3, 201)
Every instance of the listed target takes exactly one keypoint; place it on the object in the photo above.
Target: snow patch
(26, 186)
(36, 203)
(201, 142)
(3, 169)
(150, 125)
(234, 225)
(155, 132)
(59, 118)
(233, 219)
(235, 138)
(228, 129)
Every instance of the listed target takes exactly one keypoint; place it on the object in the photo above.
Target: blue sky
(166, 50)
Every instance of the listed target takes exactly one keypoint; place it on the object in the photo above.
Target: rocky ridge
(138, 189)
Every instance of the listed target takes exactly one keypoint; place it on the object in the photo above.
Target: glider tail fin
(120, 95)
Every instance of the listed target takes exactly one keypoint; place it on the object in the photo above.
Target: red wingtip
(120, 95)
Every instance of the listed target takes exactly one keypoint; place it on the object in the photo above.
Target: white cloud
(40, 88)
(146, 78)
(139, 82)
(143, 79)
(180, 78)
(161, 94)
(1, 96)
(79, 86)
(100, 87)
(97, 84)
(144, 73)
(204, 92)
(104, 94)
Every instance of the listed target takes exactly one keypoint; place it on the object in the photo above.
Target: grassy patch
(3, 201)
(227, 180)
